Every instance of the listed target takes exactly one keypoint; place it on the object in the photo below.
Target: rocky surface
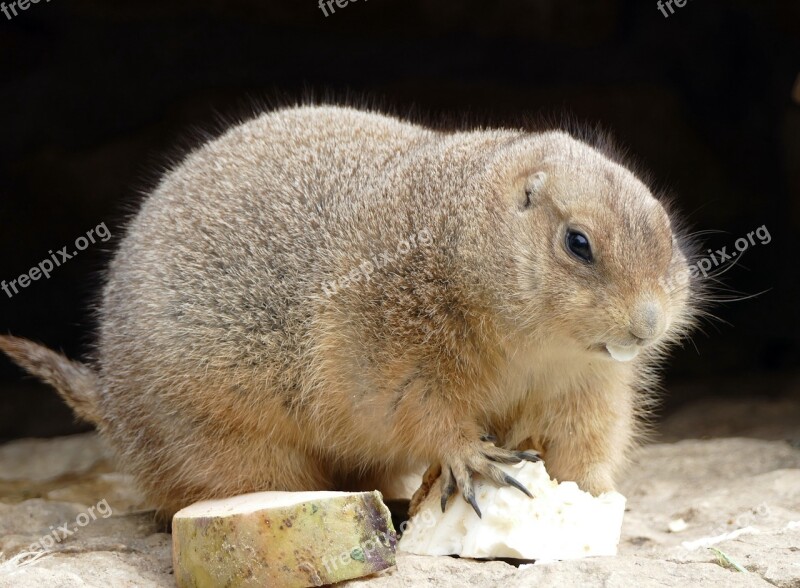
(697, 510)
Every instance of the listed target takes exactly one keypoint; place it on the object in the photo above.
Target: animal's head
(597, 259)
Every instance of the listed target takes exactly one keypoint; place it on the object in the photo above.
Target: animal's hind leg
(230, 471)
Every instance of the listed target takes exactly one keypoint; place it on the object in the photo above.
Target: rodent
(244, 344)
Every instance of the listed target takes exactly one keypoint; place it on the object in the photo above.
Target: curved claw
(511, 481)
(458, 474)
(505, 458)
(448, 487)
(529, 456)
(469, 496)
(464, 478)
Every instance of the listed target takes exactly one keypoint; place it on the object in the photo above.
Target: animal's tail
(77, 383)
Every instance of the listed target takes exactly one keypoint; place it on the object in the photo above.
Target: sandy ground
(739, 498)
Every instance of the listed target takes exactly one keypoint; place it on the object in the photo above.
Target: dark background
(98, 98)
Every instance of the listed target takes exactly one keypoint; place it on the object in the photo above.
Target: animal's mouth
(622, 352)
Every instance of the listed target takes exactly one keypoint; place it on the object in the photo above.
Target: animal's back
(240, 233)
(207, 309)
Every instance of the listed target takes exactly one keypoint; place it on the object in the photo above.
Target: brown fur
(223, 366)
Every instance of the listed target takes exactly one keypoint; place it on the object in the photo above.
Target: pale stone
(559, 522)
(288, 539)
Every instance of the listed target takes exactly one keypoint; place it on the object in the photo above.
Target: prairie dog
(531, 286)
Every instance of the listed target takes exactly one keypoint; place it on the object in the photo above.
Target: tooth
(622, 352)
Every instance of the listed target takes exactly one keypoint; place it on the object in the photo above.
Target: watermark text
(57, 259)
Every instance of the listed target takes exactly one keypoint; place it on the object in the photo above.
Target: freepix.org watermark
(364, 550)
(715, 259)
(331, 5)
(667, 4)
(61, 532)
(46, 266)
(423, 238)
(741, 245)
(11, 10)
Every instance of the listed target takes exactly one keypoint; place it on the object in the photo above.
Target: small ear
(534, 184)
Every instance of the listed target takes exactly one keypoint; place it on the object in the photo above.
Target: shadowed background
(98, 98)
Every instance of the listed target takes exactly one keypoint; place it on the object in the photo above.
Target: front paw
(596, 482)
(459, 468)
(594, 478)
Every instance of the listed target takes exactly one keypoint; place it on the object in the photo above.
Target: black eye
(578, 245)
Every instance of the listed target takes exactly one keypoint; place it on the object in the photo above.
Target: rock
(775, 419)
(118, 551)
(48, 489)
(34, 460)
(716, 486)
(80, 469)
(771, 554)
(559, 522)
(288, 539)
(600, 572)
(97, 569)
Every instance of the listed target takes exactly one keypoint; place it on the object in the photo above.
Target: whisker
(707, 232)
